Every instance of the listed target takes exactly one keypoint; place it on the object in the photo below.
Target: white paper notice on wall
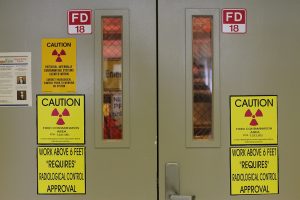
(15, 79)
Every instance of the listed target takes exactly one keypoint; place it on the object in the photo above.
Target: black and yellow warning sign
(254, 170)
(253, 120)
(60, 119)
(59, 65)
(61, 170)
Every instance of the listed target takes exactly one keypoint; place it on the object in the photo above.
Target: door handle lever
(182, 197)
(173, 183)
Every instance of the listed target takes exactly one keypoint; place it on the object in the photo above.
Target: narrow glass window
(202, 75)
(112, 61)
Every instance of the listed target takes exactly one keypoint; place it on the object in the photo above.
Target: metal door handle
(173, 183)
(182, 197)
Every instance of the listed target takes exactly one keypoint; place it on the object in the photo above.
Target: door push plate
(173, 183)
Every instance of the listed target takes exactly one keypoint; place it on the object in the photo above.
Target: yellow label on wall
(61, 170)
(254, 170)
(59, 65)
(253, 120)
(60, 119)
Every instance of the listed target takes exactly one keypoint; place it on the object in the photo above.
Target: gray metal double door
(264, 61)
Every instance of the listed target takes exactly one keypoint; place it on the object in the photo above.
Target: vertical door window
(202, 78)
(112, 77)
(202, 52)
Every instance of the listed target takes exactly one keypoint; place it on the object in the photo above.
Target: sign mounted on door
(254, 170)
(234, 20)
(60, 119)
(61, 170)
(79, 22)
(59, 65)
(253, 120)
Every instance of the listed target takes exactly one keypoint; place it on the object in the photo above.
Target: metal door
(262, 61)
(116, 172)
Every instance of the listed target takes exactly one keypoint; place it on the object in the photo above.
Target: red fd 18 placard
(80, 21)
(234, 20)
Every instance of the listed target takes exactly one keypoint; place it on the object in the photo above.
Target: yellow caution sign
(60, 119)
(253, 120)
(254, 170)
(59, 65)
(61, 170)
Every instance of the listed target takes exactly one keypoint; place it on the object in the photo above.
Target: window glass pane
(112, 78)
(202, 76)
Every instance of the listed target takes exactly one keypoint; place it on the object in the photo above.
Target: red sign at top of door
(79, 17)
(234, 20)
(234, 16)
(80, 21)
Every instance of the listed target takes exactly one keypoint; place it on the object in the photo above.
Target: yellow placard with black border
(254, 170)
(61, 170)
(60, 119)
(253, 120)
(59, 65)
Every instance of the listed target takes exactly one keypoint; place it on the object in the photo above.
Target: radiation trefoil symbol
(258, 113)
(55, 53)
(60, 120)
